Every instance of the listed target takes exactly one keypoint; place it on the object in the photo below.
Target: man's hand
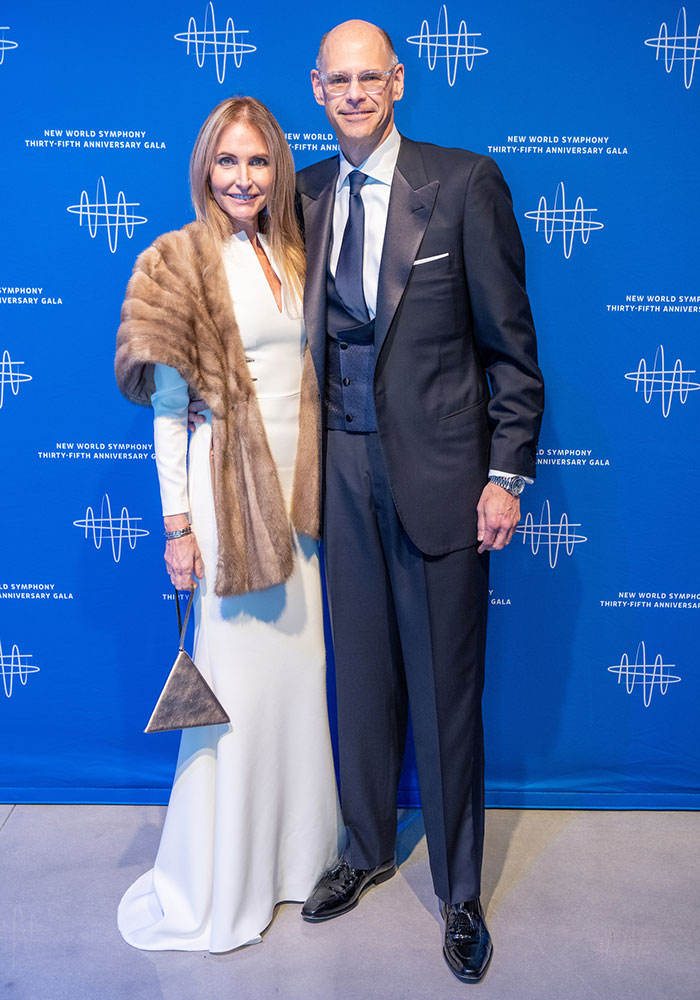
(497, 515)
(194, 413)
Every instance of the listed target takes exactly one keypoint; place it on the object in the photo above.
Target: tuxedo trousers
(409, 631)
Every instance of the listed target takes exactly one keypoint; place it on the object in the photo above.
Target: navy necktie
(348, 275)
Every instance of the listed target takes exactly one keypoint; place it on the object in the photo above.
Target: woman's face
(241, 175)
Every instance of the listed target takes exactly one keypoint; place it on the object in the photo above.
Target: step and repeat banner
(591, 111)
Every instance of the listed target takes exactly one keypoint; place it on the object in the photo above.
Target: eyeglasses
(372, 81)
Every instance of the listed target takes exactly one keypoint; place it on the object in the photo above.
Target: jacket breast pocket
(429, 267)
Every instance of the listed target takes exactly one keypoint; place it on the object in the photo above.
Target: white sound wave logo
(10, 375)
(450, 46)
(15, 664)
(116, 529)
(567, 221)
(5, 43)
(663, 381)
(108, 214)
(680, 45)
(552, 535)
(220, 43)
(647, 676)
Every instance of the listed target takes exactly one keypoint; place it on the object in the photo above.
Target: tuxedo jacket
(457, 387)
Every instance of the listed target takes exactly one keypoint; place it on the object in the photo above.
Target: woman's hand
(183, 559)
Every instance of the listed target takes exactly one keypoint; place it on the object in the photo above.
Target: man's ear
(317, 86)
(398, 82)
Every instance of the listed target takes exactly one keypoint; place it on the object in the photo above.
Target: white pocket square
(426, 260)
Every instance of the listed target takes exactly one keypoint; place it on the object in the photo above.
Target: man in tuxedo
(422, 338)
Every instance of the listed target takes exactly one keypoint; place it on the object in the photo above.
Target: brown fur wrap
(178, 312)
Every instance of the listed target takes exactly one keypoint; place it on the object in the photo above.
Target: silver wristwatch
(513, 484)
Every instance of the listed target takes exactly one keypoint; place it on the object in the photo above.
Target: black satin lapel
(318, 219)
(409, 214)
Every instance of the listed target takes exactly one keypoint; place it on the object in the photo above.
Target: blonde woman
(214, 309)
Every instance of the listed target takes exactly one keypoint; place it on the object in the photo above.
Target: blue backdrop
(592, 681)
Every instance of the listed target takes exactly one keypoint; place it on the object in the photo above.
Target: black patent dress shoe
(340, 888)
(467, 947)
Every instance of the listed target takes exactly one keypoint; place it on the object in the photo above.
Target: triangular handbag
(186, 700)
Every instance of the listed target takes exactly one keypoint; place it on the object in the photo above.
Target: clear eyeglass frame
(372, 81)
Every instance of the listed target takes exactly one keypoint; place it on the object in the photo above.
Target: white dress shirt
(379, 167)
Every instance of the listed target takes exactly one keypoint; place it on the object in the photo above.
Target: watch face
(513, 484)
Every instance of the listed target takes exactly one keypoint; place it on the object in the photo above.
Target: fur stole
(178, 312)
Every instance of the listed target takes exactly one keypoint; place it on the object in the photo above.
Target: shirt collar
(379, 165)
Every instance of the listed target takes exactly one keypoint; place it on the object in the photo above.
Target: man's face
(360, 120)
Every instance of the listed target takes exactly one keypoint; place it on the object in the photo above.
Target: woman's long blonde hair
(279, 221)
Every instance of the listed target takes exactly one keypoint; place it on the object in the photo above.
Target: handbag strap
(182, 625)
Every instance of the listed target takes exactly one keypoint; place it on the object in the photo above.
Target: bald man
(422, 338)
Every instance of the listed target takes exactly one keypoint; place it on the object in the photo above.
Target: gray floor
(580, 904)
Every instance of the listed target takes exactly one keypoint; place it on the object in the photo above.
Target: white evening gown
(253, 817)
